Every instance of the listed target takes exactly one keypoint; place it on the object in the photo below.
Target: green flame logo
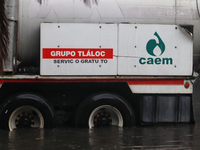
(151, 45)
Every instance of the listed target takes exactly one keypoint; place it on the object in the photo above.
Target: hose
(198, 8)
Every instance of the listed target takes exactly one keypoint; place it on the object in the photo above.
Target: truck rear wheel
(105, 115)
(26, 117)
(104, 110)
(26, 111)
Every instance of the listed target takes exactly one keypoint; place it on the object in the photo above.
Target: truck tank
(31, 13)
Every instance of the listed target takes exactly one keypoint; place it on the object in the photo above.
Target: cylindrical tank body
(34, 12)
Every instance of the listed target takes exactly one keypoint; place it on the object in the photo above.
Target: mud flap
(196, 100)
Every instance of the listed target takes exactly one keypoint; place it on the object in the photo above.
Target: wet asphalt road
(170, 136)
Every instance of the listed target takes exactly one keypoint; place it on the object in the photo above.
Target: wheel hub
(24, 120)
(102, 119)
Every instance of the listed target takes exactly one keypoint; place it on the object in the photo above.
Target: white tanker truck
(99, 63)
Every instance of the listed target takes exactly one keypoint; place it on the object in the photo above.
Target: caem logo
(150, 47)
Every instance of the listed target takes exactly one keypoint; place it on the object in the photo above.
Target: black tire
(104, 101)
(34, 107)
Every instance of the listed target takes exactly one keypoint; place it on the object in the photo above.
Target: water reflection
(151, 137)
(106, 137)
(31, 138)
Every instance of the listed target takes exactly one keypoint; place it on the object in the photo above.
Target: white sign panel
(78, 49)
(154, 50)
(115, 49)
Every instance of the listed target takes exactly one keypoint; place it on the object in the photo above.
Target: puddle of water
(151, 137)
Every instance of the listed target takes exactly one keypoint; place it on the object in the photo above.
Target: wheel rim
(105, 115)
(26, 117)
